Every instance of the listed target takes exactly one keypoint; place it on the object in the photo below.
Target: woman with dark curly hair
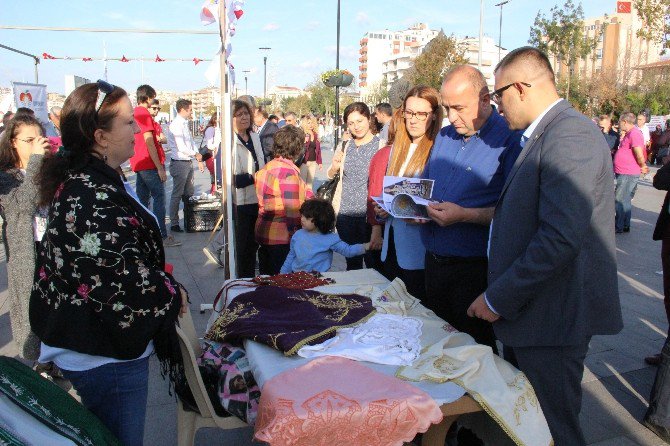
(22, 147)
(101, 300)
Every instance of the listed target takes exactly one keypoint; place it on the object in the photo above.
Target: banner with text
(34, 97)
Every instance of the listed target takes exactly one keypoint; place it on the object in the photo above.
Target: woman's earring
(104, 158)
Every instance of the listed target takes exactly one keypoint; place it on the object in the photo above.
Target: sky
(301, 35)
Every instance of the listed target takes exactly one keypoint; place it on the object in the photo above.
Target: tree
(300, 105)
(655, 27)
(377, 93)
(321, 98)
(563, 36)
(440, 54)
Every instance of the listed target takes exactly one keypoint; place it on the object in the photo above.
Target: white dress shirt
(180, 140)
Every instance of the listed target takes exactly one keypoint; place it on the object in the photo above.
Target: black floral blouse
(100, 287)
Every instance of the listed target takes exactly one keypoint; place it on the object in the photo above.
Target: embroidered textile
(299, 280)
(51, 405)
(382, 339)
(395, 299)
(230, 384)
(287, 319)
(503, 391)
(312, 405)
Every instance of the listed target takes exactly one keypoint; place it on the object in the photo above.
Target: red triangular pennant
(196, 60)
(47, 56)
(86, 59)
(123, 59)
(158, 59)
(238, 13)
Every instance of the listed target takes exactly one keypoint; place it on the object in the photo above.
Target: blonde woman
(312, 157)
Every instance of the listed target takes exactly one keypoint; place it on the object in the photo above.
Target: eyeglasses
(421, 116)
(155, 108)
(496, 96)
(105, 88)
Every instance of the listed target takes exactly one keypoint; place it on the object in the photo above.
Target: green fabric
(51, 405)
(7, 439)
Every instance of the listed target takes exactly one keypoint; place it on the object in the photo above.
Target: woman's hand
(381, 213)
(201, 166)
(337, 161)
(184, 302)
(40, 145)
(376, 240)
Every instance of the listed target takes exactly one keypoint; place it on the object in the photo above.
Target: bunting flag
(209, 13)
(195, 60)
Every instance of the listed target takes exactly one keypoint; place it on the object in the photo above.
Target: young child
(312, 246)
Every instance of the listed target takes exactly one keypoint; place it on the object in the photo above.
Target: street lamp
(265, 71)
(337, 88)
(246, 83)
(501, 4)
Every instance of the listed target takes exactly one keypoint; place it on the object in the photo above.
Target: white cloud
(310, 64)
(362, 18)
(114, 15)
(271, 27)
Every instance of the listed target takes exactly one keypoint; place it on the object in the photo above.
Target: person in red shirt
(154, 108)
(148, 162)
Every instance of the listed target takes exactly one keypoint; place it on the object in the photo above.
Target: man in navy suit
(552, 279)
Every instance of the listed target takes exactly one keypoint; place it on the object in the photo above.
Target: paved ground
(616, 381)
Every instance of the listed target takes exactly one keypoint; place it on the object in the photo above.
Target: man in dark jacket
(266, 131)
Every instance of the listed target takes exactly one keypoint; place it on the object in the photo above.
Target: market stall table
(267, 362)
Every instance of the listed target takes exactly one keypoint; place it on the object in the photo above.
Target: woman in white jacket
(248, 159)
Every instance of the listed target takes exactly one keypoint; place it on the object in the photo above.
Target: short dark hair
(531, 55)
(385, 108)
(263, 112)
(145, 93)
(321, 212)
(182, 104)
(288, 142)
(155, 101)
(359, 107)
(24, 111)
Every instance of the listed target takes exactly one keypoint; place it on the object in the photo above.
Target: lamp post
(337, 89)
(501, 4)
(246, 83)
(481, 34)
(265, 71)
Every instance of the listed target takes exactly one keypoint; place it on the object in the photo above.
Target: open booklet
(404, 197)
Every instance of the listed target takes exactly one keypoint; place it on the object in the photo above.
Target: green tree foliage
(440, 54)
(654, 16)
(322, 98)
(562, 35)
(300, 105)
(377, 93)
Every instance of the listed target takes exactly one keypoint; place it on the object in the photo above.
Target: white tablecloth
(267, 362)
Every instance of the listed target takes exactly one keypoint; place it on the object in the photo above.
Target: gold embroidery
(234, 312)
(330, 302)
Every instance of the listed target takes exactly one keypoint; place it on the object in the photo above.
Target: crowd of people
(527, 197)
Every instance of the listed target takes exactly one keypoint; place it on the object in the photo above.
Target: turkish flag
(87, 59)
(158, 59)
(123, 59)
(47, 56)
(623, 7)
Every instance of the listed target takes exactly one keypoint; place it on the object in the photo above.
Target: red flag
(123, 59)
(158, 59)
(623, 7)
(47, 56)
(87, 59)
(196, 60)
(238, 13)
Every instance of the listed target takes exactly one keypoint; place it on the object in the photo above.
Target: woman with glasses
(350, 199)
(101, 300)
(248, 159)
(413, 132)
(22, 147)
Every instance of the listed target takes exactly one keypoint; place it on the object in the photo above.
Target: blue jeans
(117, 394)
(625, 185)
(149, 185)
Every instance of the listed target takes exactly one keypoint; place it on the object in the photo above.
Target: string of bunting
(195, 60)
(209, 14)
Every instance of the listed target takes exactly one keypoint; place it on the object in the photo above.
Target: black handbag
(203, 150)
(327, 190)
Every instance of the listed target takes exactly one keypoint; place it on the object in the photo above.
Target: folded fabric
(229, 382)
(395, 299)
(382, 339)
(312, 405)
(51, 405)
(503, 391)
(288, 319)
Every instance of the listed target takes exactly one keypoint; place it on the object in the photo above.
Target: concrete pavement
(616, 381)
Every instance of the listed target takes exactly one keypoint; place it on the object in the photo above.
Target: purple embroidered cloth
(287, 319)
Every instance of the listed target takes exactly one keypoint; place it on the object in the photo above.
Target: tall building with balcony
(379, 47)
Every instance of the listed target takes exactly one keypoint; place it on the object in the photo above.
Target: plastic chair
(189, 422)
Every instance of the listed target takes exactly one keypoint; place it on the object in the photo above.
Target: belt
(451, 260)
(182, 161)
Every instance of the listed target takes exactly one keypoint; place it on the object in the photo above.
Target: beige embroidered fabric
(503, 391)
